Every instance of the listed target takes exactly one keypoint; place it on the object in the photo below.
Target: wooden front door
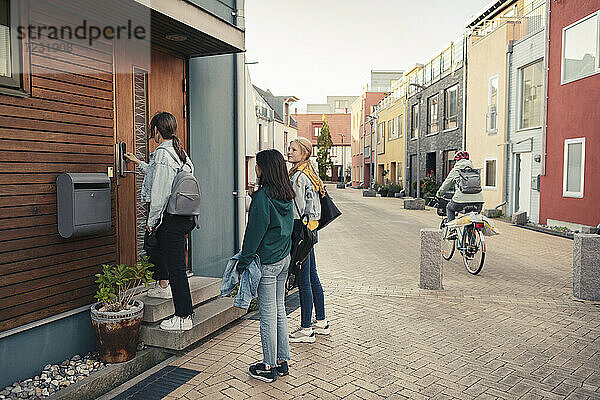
(145, 84)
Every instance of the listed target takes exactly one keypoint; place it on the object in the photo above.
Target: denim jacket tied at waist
(248, 284)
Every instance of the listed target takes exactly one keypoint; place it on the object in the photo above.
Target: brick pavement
(512, 332)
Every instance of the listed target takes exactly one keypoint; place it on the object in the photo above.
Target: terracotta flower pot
(117, 333)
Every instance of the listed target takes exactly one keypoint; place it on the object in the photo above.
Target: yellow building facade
(486, 107)
(391, 135)
(356, 112)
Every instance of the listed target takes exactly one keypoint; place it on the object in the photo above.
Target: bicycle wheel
(448, 245)
(474, 250)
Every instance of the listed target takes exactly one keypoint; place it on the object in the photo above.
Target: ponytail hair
(166, 124)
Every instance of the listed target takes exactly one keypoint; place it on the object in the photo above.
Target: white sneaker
(301, 335)
(320, 327)
(176, 323)
(160, 292)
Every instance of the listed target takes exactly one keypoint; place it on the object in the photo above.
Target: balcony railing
(262, 112)
(526, 22)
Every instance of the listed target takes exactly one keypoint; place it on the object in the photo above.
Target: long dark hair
(274, 174)
(166, 124)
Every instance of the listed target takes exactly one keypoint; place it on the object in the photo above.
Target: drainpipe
(464, 116)
(239, 138)
(545, 109)
(507, 157)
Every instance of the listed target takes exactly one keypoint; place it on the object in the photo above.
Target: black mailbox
(83, 204)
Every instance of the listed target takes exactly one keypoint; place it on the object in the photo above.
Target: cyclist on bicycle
(460, 200)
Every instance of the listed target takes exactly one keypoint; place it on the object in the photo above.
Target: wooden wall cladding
(66, 125)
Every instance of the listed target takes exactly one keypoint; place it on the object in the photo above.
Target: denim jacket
(159, 174)
(307, 198)
(248, 284)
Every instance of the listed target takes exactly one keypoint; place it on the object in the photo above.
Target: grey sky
(314, 48)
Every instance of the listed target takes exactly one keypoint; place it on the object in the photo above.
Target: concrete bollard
(414, 204)
(369, 193)
(586, 266)
(430, 276)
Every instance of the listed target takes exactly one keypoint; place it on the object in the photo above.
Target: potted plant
(117, 316)
(383, 191)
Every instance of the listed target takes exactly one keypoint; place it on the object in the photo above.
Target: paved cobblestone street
(512, 332)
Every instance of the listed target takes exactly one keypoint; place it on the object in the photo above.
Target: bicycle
(468, 239)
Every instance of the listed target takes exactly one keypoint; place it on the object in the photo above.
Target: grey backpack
(185, 193)
(469, 180)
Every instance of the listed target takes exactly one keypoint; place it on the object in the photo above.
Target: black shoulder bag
(329, 210)
(303, 240)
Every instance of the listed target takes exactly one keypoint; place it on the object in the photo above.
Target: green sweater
(268, 231)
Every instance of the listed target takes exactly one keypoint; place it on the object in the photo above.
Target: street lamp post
(343, 170)
(419, 99)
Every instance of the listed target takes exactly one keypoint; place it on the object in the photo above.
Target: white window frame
(495, 130)
(566, 193)
(485, 174)
(562, 60)
(520, 95)
(446, 91)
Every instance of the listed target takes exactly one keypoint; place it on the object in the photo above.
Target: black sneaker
(261, 372)
(282, 369)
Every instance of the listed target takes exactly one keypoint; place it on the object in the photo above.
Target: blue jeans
(311, 292)
(274, 334)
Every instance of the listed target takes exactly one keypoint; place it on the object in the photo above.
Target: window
(580, 49)
(450, 107)
(531, 96)
(432, 114)
(414, 126)
(492, 113)
(10, 66)
(490, 174)
(574, 167)
(380, 132)
(316, 130)
(391, 130)
(448, 160)
(400, 125)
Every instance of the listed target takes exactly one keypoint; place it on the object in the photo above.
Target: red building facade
(570, 191)
(367, 131)
(309, 126)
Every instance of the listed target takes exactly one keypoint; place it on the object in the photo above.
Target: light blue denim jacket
(248, 284)
(307, 198)
(159, 174)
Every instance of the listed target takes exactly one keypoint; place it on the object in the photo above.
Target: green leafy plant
(324, 143)
(429, 186)
(394, 188)
(117, 283)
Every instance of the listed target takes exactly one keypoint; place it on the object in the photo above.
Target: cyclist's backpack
(185, 193)
(469, 180)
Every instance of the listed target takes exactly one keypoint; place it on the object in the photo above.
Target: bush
(429, 186)
(394, 188)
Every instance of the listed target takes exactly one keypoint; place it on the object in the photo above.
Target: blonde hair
(305, 145)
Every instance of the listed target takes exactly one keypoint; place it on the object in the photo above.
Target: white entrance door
(524, 193)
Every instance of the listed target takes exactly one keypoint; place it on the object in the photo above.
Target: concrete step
(201, 288)
(208, 318)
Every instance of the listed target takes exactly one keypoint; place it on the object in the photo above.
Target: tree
(324, 143)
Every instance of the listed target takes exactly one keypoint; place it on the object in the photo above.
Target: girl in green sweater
(268, 235)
